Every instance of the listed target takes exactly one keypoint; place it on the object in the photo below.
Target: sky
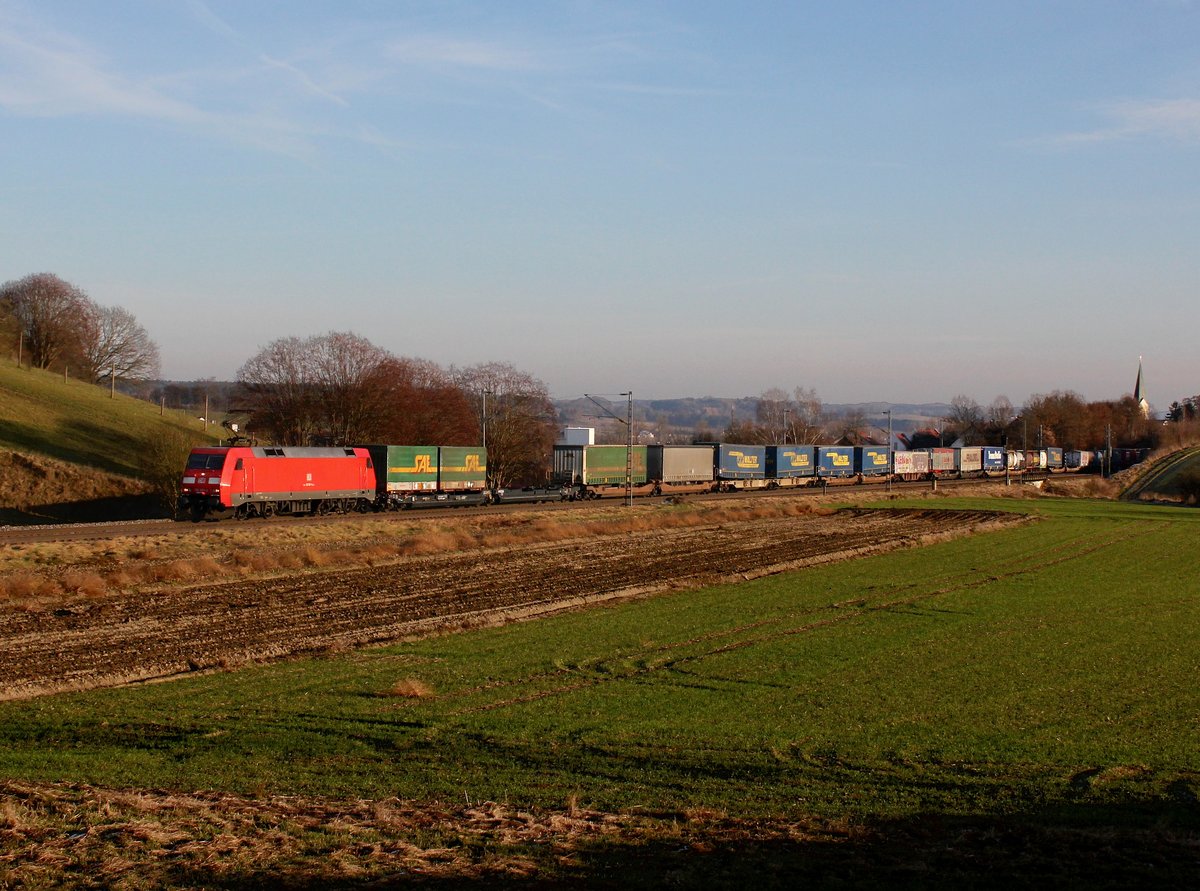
(880, 201)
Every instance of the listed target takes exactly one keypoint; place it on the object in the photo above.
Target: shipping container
(970, 459)
(994, 459)
(597, 465)
(872, 460)
(788, 461)
(943, 461)
(677, 464)
(1035, 459)
(462, 468)
(912, 465)
(405, 468)
(740, 462)
(1054, 458)
(835, 461)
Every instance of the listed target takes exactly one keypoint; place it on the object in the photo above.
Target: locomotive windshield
(205, 462)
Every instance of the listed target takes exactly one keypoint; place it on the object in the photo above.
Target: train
(596, 471)
(255, 481)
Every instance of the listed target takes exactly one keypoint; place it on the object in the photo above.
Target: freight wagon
(429, 476)
(675, 468)
(994, 460)
(738, 466)
(912, 465)
(872, 460)
(791, 465)
(835, 462)
(1054, 459)
(597, 470)
(261, 482)
(970, 461)
(944, 462)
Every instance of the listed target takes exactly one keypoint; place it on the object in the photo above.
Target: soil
(139, 636)
(35, 488)
(55, 835)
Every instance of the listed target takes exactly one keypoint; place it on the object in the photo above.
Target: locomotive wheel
(267, 510)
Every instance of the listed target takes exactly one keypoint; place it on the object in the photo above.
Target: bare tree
(279, 385)
(51, 315)
(118, 346)
(347, 371)
(1059, 419)
(425, 405)
(520, 421)
(965, 418)
(807, 421)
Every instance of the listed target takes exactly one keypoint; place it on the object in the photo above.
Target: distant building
(577, 436)
(1138, 395)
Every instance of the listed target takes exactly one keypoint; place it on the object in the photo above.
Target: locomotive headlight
(188, 480)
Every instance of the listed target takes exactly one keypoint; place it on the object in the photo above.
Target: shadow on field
(95, 510)
(1097, 850)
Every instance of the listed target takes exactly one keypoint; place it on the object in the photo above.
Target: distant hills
(687, 414)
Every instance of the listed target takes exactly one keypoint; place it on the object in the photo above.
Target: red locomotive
(261, 482)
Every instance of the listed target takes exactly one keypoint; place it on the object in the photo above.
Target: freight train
(596, 471)
(245, 482)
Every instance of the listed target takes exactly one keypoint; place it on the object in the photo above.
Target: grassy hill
(1170, 477)
(66, 442)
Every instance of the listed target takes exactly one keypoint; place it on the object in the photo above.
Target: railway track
(66, 532)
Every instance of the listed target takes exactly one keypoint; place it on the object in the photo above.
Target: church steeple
(1138, 396)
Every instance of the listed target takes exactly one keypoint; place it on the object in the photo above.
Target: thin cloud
(57, 75)
(48, 74)
(1176, 120)
(310, 86)
(457, 53)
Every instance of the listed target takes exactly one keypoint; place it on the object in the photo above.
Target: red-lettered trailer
(257, 481)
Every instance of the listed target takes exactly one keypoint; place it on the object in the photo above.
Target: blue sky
(882, 201)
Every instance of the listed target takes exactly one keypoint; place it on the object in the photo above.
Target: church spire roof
(1138, 396)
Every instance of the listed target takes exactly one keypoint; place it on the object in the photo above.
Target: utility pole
(629, 450)
(628, 422)
(891, 456)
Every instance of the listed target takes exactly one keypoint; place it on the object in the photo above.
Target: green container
(604, 465)
(409, 468)
(462, 468)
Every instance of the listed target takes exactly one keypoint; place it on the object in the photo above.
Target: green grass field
(75, 421)
(1047, 671)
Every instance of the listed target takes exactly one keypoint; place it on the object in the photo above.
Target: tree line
(52, 324)
(341, 389)
(1061, 418)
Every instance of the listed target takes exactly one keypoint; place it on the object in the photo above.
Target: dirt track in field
(131, 638)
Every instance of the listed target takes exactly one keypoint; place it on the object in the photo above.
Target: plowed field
(144, 636)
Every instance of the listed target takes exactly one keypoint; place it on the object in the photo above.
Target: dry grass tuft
(313, 556)
(88, 584)
(19, 585)
(186, 570)
(410, 688)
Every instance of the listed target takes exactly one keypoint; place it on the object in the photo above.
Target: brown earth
(55, 835)
(36, 488)
(119, 637)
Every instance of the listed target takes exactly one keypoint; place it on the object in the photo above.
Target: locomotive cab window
(238, 466)
(205, 462)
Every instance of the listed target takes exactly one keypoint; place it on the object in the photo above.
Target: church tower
(1138, 395)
